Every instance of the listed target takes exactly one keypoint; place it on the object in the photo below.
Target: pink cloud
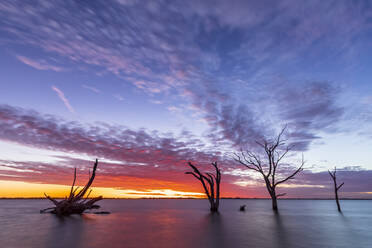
(61, 96)
(93, 89)
(40, 65)
(151, 87)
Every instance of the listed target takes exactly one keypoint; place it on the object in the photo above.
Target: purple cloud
(143, 159)
(305, 108)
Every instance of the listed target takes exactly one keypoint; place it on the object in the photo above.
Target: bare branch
(250, 166)
(332, 174)
(51, 199)
(192, 173)
(91, 179)
(76, 189)
(280, 195)
(280, 157)
(73, 183)
(197, 174)
(340, 186)
(299, 169)
(290, 176)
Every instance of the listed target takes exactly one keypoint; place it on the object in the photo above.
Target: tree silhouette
(211, 184)
(75, 203)
(336, 187)
(268, 168)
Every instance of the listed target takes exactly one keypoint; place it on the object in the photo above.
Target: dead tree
(75, 203)
(211, 184)
(268, 168)
(336, 187)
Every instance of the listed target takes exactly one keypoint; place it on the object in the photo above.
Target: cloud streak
(61, 96)
(40, 65)
(93, 89)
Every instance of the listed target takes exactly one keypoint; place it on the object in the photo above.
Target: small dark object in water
(242, 208)
(102, 212)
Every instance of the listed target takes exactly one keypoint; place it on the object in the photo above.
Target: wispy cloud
(39, 64)
(119, 97)
(174, 109)
(151, 87)
(95, 90)
(61, 96)
(156, 101)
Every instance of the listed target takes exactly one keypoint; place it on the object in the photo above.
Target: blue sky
(215, 75)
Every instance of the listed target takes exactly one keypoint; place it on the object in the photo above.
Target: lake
(188, 223)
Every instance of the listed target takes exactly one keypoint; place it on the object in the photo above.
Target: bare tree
(211, 184)
(336, 187)
(75, 203)
(268, 168)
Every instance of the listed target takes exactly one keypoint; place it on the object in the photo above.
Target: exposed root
(75, 203)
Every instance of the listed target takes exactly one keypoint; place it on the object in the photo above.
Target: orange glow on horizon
(17, 189)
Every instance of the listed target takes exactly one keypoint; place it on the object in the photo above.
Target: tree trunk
(272, 193)
(337, 201)
(214, 209)
(274, 202)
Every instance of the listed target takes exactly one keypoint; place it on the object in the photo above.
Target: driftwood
(75, 203)
(212, 190)
(336, 187)
(268, 167)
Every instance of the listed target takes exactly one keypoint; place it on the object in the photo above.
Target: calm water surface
(187, 223)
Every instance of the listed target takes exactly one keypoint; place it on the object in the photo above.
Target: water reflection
(280, 232)
(188, 223)
(213, 231)
(67, 231)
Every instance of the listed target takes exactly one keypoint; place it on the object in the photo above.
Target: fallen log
(75, 203)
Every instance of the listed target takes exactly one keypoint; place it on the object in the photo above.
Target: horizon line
(186, 198)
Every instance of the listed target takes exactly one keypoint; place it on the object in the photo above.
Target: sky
(146, 86)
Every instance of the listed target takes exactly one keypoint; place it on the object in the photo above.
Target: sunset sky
(145, 86)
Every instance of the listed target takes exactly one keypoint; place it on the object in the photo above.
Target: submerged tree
(336, 187)
(268, 168)
(75, 203)
(212, 189)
